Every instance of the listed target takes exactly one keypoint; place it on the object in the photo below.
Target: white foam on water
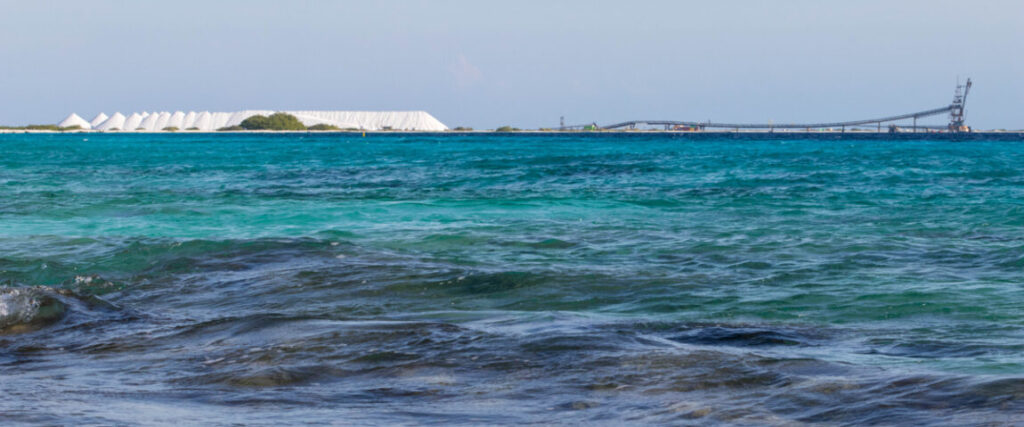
(17, 306)
(25, 309)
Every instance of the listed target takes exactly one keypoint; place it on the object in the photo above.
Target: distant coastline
(15, 130)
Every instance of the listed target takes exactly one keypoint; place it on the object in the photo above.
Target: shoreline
(525, 131)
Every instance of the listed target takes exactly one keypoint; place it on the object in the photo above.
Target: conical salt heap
(74, 120)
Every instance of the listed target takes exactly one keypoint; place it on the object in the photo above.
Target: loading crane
(955, 110)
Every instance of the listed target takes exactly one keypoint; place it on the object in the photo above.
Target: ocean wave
(567, 278)
(28, 309)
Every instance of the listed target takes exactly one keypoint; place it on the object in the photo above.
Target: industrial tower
(956, 111)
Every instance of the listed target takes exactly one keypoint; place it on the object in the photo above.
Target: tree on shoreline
(276, 121)
(324, 127)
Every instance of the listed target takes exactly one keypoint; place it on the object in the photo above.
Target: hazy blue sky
(525, 63)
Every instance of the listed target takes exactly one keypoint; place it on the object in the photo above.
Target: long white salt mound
(207, 121)
(74, 120)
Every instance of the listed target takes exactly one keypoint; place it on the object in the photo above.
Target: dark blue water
(491, 279)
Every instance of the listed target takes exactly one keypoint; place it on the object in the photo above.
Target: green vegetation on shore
(323, 127)
(276, 121)
(53, 128)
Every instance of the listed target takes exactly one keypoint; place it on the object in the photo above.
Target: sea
(630, 278)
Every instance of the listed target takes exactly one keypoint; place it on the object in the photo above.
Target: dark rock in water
(28, 309)
(742, 336)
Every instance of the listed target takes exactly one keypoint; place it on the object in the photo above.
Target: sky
(523, 63)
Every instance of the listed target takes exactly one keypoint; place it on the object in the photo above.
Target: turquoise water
(490, 279)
